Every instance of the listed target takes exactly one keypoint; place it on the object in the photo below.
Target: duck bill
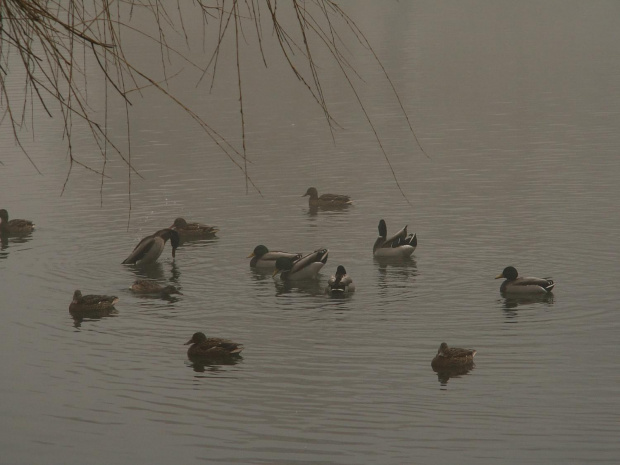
(275, 272)
(250, 256)
(499, 276)
(188, 342)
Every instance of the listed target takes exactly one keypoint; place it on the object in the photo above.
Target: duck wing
(20, 224)
(455, 352)
(546, 283)
(316, 256)
(140, 251)
(98, 300)
(217, 345)
(395, 240)
(335, 198)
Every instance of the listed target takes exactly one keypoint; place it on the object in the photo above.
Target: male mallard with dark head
(305, 267)
(193, 230)
(340, 283)
(148, 286)
(262, 257)
(452, 357)
(13, 226)
(150, 248)
(203, 346)
(398, 245)
(514, 284)
(326, 200)
(90, 303)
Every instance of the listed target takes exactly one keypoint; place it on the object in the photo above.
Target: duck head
(382, 229)
(171, 234)
(259, 251)
(510, 273)
(312, 192)
(197, 338)
(77, 296)
(179, 223)
(442, 349)
(283, 264)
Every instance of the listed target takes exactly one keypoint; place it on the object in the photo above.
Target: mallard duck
(515, 284)
(303, 268)
(263, 258)
(90, 303)
(193, 230)
(326, 200)
(203, 346)
(150, 248)
(398, 245)
(340, 283)
(148, 286)
(14, 226)
(452, 357)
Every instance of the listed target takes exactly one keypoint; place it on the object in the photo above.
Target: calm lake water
(517, 105)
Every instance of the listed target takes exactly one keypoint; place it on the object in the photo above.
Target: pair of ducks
(295, 266)
(202, 346)
(95, 303)
(150, 248)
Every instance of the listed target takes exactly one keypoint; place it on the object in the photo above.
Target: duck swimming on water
(203, 346)
(514, 284)
(150, 248)
(13, 226)
(326, 200)
(305, 267)
(193, 230)
(398, 245)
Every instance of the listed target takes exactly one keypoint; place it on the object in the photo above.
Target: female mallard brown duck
(150, 248)
(452, 357)
(263, 258)
(340, 283)
(148, 286)
(203, 346)
(305, 267)
(193, 230)
(398, 245)
(326, 200)
(91, 303)
(514, 284)
(14, 226)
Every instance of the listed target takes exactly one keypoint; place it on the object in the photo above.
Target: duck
(150, 248)
(514, 284)
(90, 303)
(203, 346)
(398, 245)
(452, 357)
(326, 200)
(147, 286)
(340, 283)
(305, 267)
(193, 230)
(262, 257)
(14, 226)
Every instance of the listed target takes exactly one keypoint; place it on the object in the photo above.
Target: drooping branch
(53, 41)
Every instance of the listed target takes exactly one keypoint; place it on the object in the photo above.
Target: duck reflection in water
(452, 362)
(510, 302)
(212, 365)
(310, 287)
(155, 272)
